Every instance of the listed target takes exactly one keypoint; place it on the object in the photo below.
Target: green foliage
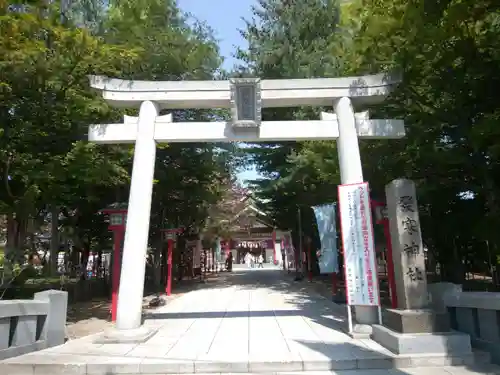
(288, 40)
(23, 274)
(46, 106)
(448, 54)
(448, 58)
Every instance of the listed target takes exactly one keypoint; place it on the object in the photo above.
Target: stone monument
(413, 328)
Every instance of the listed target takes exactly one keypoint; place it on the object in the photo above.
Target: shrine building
(252, 231)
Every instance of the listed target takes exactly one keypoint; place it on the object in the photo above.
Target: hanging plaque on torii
(246, 105)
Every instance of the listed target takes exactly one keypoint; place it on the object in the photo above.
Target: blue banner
(325, 218)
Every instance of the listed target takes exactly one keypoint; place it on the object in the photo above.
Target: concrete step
(65, 364)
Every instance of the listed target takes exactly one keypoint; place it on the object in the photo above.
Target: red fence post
(170, 252)
(390, 265)
(115, 282)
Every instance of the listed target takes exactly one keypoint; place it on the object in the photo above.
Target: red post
(283, 256)
(382, 219)
(274, 246)
(115, 282)
(390, 265)
(169, 266)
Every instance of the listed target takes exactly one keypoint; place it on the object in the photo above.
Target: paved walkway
(253, 320)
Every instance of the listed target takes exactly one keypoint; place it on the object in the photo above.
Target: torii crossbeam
(221, 131)
(246, 99)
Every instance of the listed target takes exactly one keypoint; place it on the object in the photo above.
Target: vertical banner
(325, 218)
(357, 241)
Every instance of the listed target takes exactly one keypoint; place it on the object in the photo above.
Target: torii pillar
(351, 172)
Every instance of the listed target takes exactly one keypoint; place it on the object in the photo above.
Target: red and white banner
(358, 245)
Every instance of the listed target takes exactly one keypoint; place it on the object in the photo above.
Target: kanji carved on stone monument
(413, 328)
(411, 249)
(409, 260)
(406, 204)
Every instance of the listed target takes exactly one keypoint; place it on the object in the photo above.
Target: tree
(44, 110)
(448, 55)
(187, 176)
(49, 171)
(288, 39)
(448, 100)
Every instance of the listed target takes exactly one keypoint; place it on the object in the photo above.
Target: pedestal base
(416, 321)
(126, 336)
(447, 343)
(361, 331)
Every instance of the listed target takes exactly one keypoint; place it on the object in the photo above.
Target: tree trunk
(85, 259)
(74, 261)
(99, 265)
(431, 265)
(14, 248)
(458, 265)
(157, 266)
(10, 247)
(54, 240)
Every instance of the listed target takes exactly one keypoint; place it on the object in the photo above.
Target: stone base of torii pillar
(413, 328)
(129, 336)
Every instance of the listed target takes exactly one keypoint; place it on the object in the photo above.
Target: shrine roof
(115, 207)
(250, 218)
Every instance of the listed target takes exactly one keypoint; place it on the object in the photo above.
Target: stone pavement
(252, 321)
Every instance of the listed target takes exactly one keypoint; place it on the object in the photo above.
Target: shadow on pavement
(307, 303)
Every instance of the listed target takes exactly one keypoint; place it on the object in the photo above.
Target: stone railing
(478, 314)
(31, 325)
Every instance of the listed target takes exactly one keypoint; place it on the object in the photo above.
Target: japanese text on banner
(357, 237)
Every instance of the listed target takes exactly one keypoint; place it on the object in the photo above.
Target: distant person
(252, 260)
(229, 262)
(247, 260)
(261, 261)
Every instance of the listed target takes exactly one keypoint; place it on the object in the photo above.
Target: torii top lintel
(363, 90)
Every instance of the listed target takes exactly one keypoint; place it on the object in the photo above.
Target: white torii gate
(344, 125)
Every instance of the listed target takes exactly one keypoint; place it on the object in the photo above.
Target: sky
(225, 18)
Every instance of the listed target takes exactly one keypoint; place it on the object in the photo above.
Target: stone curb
(82, 365)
